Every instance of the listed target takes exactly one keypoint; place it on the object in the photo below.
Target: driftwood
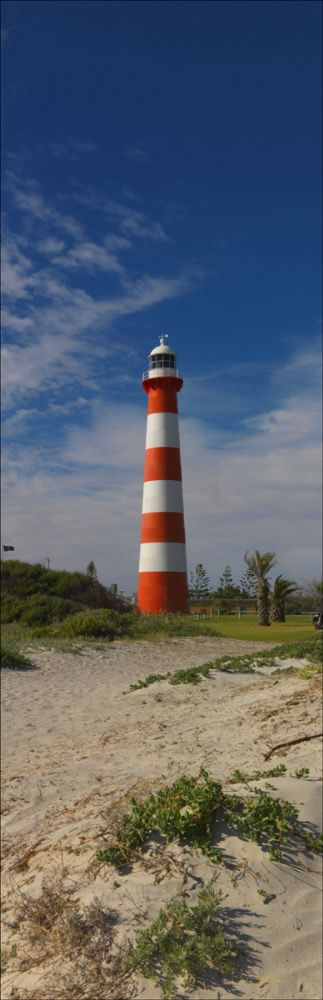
(289, 743)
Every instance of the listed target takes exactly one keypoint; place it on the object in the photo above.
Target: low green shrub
(45, 632)
(184, 941)
(183, 810)
(12, 660)
(43, 610)
(97, 625)
(187, 810)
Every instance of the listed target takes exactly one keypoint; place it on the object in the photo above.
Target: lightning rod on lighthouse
(162, 566)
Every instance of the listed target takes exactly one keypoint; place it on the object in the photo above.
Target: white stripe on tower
(162, 557)
(162, 495)
(162, 567)
(162, 430)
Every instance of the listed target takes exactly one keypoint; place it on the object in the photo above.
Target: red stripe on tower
(162, 567)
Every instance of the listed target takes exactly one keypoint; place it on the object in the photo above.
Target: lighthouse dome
(161, 358)
(162, 363)
(162, 348)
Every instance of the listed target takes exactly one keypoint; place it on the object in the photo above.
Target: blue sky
(161, 173)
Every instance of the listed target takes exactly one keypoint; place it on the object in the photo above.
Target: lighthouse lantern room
(162, 567)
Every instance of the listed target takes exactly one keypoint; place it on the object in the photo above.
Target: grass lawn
(294, 629)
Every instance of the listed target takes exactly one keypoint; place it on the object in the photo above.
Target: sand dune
(74, 745)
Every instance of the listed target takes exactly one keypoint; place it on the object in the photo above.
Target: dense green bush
(96, 625)
(34, 595)
(12, 660)
(45, 610)
(11, 608)
(37, 609)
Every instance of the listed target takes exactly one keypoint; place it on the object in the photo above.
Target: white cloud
(131, 222)
(134, 223)
(18, 421)
(66, 408)
(15, 322)
(16, 273)
(114, 242)
(50, 246)
(59, 322)
(28, 199)
(66, 350)
(90, 255)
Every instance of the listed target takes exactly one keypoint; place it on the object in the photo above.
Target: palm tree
(281, 590)
(260, 566)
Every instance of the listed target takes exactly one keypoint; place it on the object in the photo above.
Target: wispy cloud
(72, 149)
(44, 301)
(130, 221)
(66, 408)
(91, 256)
(137, 153)
(29, 199)
(51, 245)
(134, 223)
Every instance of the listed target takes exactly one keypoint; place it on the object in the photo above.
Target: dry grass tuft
(78, 947)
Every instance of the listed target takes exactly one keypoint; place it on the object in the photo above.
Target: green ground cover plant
(242, 778)
(184, 941)
(246, 663)
(11, 660)
(188, 811)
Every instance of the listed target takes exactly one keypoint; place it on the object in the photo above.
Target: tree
(227, 591)
(260, 565)
(248, 584)
(200, 584)
(226, 580)
(314, 589)
(91, 570)
(281, 590)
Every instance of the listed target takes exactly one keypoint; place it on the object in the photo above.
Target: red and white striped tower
(162, 566)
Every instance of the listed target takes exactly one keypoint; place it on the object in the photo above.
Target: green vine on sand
(244, 664)
(184, 941)
(188, 811)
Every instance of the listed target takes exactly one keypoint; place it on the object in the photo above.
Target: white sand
(74, 744)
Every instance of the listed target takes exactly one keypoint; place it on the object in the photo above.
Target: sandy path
(73, 744)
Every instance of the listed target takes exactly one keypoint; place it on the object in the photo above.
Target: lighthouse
(162, 566)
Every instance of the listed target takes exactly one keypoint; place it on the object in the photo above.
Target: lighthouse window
(162, 361)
